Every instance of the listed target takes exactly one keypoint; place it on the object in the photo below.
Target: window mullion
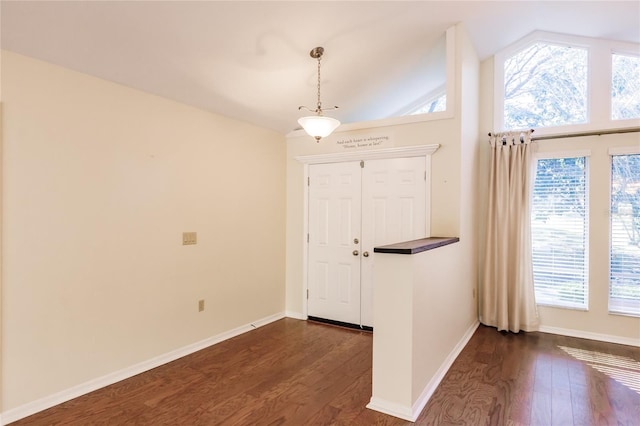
(599, 85)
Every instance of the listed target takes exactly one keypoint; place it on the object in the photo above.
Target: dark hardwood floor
(302, 373)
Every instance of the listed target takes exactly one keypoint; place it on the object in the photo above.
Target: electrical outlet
(189, 238)
(200, 305)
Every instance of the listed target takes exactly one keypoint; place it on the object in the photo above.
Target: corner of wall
(1, 193)
(468, 99)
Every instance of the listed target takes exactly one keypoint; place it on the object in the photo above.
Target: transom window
(545, 85)
(625, 87)
(436, 104)
(555, 84)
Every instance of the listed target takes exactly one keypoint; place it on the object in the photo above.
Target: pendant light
(318, 126)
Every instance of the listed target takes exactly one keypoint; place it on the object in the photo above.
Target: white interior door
(393, 210)
(334, 241)
(352, 209)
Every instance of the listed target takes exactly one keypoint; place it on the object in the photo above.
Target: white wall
(100, 181)
(597, 322)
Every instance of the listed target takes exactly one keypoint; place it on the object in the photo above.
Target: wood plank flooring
(303, 373)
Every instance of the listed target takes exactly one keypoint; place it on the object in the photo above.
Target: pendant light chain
(319, 110)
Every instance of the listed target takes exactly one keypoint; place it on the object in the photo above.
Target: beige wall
(99, 183)
(597, 322)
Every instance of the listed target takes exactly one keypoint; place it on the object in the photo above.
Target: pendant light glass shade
(318, 126)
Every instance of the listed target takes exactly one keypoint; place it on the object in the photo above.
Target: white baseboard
(391, 408)
(295, 315)
(431, 387)
(41, 404)
(256, 324)
(591, 336)
(412, 413)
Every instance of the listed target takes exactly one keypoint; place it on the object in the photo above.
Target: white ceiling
(250, 60)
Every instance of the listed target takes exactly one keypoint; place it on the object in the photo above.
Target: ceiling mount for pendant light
(318, 126)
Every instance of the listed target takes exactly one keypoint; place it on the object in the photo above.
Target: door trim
(339, 157)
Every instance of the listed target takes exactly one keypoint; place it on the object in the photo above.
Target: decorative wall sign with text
(372, 141)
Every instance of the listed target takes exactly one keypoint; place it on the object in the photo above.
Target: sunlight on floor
(623, 370)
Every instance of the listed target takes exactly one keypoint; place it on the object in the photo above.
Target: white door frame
(408, 151)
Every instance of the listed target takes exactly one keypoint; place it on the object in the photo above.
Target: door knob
(356, 241)
(365, 254)
(355, 252)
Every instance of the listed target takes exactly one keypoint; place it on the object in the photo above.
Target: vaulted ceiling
(250, 60)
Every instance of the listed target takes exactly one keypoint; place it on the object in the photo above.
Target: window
(625, 87)
(545, 85)
(433, 105)
(557, 83)
(624, 276)
(559, 224)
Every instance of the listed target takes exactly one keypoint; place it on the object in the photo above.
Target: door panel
(334, 222)
(393, 210)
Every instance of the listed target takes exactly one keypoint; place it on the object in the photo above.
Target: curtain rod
(591, 133)
(516, 131)
(504, 141)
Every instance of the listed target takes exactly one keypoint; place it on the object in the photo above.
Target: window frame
(599, 74)
(586, 154)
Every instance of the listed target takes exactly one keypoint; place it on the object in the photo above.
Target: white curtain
(507, 297)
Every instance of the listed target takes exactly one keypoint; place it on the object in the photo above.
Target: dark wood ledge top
(416, 246)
